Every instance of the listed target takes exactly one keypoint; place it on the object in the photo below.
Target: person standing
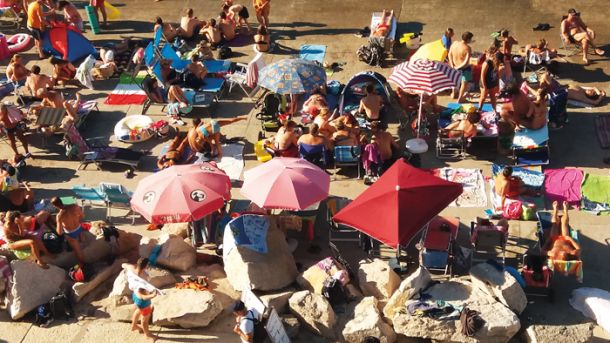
(36, 24)
(99, 6)
(262, 8)
(459, 58)
(489, 78)
(14, 129)
(69, 221)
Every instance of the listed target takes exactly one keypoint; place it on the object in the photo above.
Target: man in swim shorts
(459, 58)
(69, 221)
(574, 30)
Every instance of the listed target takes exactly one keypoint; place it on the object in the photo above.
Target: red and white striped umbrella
(425, 76)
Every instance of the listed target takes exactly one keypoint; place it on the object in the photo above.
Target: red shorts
(146, 311)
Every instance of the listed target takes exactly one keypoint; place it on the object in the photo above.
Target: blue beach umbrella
(292, 76)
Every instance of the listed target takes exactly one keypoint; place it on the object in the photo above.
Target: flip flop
(538, 27)
(597, 52)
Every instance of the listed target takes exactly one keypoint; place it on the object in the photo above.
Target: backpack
(224, 52)
(471, 321)
(260, 333)
(58, 305)
(333, 291)
(53, 242)
(372, 53)
(81, 273)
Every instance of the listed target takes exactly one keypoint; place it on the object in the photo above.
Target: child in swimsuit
(142, 299)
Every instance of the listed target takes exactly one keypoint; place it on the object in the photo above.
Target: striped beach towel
(127, 92)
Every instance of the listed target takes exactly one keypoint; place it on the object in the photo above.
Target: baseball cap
(572, 11)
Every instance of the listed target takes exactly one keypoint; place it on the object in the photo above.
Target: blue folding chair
(92, 195)
(115, 195)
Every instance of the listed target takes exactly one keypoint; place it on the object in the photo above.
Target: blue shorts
(74, 234)
(466, 74)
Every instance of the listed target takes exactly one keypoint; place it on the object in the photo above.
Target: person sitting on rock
(19, 238)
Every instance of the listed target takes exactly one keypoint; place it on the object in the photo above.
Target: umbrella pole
(421, 103)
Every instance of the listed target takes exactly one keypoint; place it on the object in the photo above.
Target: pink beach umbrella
(182, 193)
(286, 183)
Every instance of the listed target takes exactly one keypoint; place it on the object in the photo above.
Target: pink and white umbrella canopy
(182, 193)
(425, 76)
(286, 183)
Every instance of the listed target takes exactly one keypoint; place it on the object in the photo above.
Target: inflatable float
(18, 42)
(133, 129)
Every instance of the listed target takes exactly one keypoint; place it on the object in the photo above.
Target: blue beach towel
(313, 52)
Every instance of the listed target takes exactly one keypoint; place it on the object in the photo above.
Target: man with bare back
(459, 59)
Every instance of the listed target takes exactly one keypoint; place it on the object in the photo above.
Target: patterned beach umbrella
(292, 76)
(425, 76)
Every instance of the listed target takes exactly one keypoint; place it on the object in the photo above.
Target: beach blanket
(531, 178)
(313, 52)
(596, 194)
(576, 103)
(249, 231)
(563, 185)
(127, 92)
(526, 138)
(472, 180)
(232, 161)
(602, 128)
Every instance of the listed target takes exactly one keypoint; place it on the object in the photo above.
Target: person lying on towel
(560, 245)
(385, 25)
(174, 153)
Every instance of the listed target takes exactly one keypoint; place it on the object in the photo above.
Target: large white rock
(314, 312)
(185, 308)
(499, 284)
(158, 277)
(119, 307)
(409, 287)
(176, 229)
(175, 253)
(83, 288)
(94, 250)
(32, 286)
(368, 322)
(501, 324)
(249, 269)
(377, 279)
(278, 300)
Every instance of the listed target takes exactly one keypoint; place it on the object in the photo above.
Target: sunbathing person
(574, 30)
(169, 75)
(37, 81)
(169, 32)
(14, 129)
(16, 232)
(313, 137)
(388, 147)
(315, 103)
(508, 186)
(467, 126)
(198, 70)
(560, 245)
(541, 48)
(189, 25)
(515, 111)
(174, 153)
(210, 132)
(343, 136)
(16, 70)
(63, 71)
(350, 122)
(177, 104)
(285, 142)
(51, 98)
(322, 119)
(227, 27)
(536, 118)
(212, 33)
(69, 221)
(385, 25)
(592, 96)
(372, 104)
(154, 91)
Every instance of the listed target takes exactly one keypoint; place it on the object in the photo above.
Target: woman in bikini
(19, 237)
(560, 245)
(262, 39)
(384, 27)
(63, 71)
(174, 152)
(168, 30)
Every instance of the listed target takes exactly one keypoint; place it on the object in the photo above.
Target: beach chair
(338, 232)
(450, 144)
(390, 37)
(536, 63)
(436, 245)
(239, 77)
(89, 151)
(315, 154)
(346, 156)
(117, 196)
(488, 241)
(570, 49)
(531, 147)
(88, 194)
(9, 18)
(568, 268)
(537, 276)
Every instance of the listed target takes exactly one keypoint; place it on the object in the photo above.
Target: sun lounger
(530, 147)
(391, 35)
(573, 267)
(488, 240)
(117, 196)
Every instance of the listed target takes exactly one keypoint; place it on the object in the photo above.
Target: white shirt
(246, 324)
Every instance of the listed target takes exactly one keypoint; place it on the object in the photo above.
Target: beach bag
(471, 322)
(528, 212)
(371, 54)
(81, 273)
(333, 291)
(260, 333)
(513, 210)
(53, 242)
(224, 52)
(61, 306)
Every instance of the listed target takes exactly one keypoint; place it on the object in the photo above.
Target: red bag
(512, 210)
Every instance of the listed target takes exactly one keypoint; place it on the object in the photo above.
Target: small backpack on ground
(59, 307)
(471, 321)
(372, 53)
(333, 291)
(53, 242)
(260, 333)
(81, 273)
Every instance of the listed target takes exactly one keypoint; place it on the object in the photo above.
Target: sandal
(598, 53)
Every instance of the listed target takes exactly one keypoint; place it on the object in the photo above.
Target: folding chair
(536, 62)
(450, 144)
(88, 194)
(437, 242)
(240, 76)
(9, 18)
(571, 48)
(347, 156)
(338, 232)
(488, 241)
(115, 195)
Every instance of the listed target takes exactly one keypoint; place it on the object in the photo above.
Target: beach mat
(596, 193)
(563, 185)
(232, 161)
(602, 127)
(127, 92)
(313, 52)
(473, 194)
